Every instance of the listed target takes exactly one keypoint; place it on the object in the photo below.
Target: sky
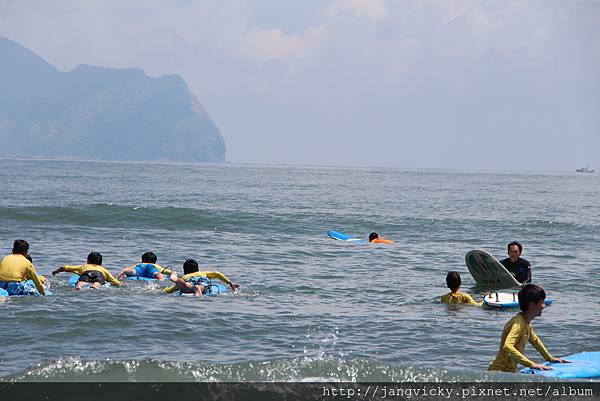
(454, 84)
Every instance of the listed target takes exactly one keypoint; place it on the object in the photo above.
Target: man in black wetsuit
(520, 268)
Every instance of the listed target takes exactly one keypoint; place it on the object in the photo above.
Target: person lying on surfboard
(517, 266)
(146, 268)
(195, 281)
(91, 273)
(454, 282)
(374, 238)
(518, 330)
(17, 273)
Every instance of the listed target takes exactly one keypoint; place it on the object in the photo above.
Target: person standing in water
(517, 266)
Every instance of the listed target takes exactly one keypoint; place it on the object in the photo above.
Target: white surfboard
(488, 272)
(506, 300)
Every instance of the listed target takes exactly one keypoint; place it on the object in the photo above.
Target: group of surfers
(19, 277)
(518, 330)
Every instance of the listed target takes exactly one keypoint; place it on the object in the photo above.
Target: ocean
(310, 308)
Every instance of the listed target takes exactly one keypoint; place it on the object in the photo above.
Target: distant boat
(584, 170)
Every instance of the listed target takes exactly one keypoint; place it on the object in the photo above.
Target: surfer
(16, 271)
(91, 273)
(374, 238)
(518, 330)
(147, 268)
(517, 266)
(195, 281)
(454, 282)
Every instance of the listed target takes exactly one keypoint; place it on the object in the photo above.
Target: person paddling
(374, 238)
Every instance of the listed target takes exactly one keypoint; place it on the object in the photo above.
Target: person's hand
(559, 360)
(540, 366)
(121, 275)
(55, 272)
(173, 276)
(234, 287)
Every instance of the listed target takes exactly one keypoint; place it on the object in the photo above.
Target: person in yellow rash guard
(16, 270)
(518, 330)
(195, 281)
(453, 281)
(147, 268)
(91, 273)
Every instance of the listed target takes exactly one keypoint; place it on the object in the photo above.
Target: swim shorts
(92, 276)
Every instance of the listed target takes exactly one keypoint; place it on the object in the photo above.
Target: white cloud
(374, 10)
(472, 14)
(277, 45)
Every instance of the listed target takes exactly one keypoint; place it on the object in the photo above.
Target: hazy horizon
(367, 83)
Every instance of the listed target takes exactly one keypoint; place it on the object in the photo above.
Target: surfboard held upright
(488, 271)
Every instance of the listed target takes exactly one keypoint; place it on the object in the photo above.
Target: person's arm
(471, 301)
(163, 270)
(123, 272)
(68, 268)
(223, 278)
(111, 279)
(31, 274)
(538, 345)
(509, 346)
(170, 290)
(528, 273)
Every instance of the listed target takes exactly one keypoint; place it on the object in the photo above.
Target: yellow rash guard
(84, 268)
(516, 332)
(16, 267)
(218, 275)
(460, 298)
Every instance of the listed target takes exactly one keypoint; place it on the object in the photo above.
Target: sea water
(310, 308)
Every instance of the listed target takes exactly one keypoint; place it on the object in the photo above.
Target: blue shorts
(18, 287)
(201, 280)
(146, 270)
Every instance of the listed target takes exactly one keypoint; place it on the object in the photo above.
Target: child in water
(454, 282)
(91, 273)
(518, 330)
(146, 268)
(196, 282)
(374, 238)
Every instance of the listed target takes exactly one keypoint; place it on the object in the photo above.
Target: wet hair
(94, 258)
(453, 280)
(29, 258)
(190, 266)
(515, 243)
(149, 257)
(20, 246)
(530, 293)
(373, 236)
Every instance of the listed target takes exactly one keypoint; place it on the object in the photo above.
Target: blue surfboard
(344, 237)
(140, 278)
(214, 289)
(585, 365)
(75, 277)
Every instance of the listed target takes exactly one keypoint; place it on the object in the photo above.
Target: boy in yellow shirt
(17, 274)
(91, 273)
(454, 282)
(195, 281)
(518, 330)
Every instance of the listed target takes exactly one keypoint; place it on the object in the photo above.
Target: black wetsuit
(521, 269)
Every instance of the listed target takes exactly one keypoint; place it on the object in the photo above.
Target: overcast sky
(509, 85)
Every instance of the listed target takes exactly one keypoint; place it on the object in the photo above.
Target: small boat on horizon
(584, 170)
